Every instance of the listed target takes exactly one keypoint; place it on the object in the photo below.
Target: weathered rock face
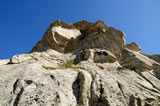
(156, 70)
(81, 64)
(154, 57)
(133, 46)
(96, 55)
(66, 38)
(57, 37)
(136, 60)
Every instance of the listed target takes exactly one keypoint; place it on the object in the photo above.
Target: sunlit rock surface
(81, 64)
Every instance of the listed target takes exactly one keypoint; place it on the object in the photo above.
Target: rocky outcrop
(136, 60)
(81, 64)
(66, 38)
(56, 37)
(133, 46)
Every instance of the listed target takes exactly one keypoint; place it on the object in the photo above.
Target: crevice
(139, 102)
(34, 57)
(76, 88)
(91, 100)
(18, 97)
(102, 101)
(131, 100)
(121, 90)
(153, 90)
(15, 85)
(101, 92)
(120, 87)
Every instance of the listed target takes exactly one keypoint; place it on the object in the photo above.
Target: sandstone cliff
(81, 64)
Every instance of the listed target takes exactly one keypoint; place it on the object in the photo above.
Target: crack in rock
(15, 85)
(100, 101)
(18, 97)
(76, 88)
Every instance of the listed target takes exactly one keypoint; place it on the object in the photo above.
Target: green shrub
(68, 64)
(131, 65)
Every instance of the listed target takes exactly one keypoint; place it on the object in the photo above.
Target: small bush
(68, 64)
(131, 65)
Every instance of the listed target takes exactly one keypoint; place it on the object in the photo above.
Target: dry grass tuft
(78, 66)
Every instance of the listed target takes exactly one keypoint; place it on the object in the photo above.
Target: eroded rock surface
(133, 46)
(96, 55)
(137, 60)
(66, 38)
(81, 64)
(154, 57)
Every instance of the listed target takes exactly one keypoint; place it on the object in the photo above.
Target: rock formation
(81, 64)
(66, 38)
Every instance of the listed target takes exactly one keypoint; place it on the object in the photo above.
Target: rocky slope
(81, 64)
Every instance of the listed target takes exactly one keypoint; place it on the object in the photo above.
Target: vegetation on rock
(131, 65)
(68, 64)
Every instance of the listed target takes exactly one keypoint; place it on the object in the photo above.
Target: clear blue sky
(23, 22)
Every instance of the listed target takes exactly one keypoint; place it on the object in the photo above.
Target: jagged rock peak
(79, 25)
(65, 38)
